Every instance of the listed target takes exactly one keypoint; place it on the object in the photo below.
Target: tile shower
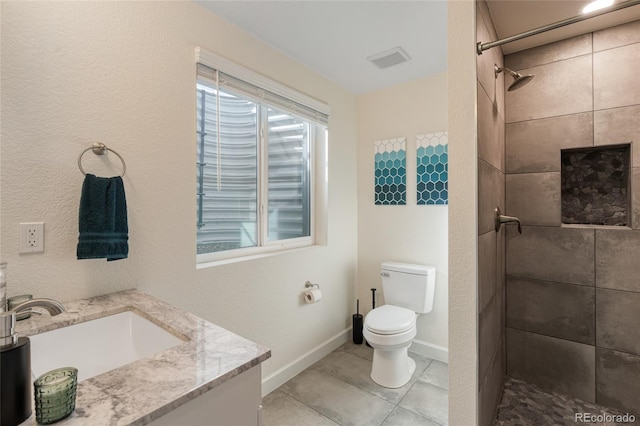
(571, 302)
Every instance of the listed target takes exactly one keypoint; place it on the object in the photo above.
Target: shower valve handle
(500, 219)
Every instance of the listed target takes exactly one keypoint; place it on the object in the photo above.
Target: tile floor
(337, 390)
(524, 404)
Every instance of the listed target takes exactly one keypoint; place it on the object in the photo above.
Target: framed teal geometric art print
(432, 163)
(390, 170)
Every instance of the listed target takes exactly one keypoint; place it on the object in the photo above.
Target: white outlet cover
(31, 237)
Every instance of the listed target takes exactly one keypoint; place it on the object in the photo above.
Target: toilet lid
(389, 319)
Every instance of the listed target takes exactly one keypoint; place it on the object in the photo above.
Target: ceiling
(516, 16)
(334, 37)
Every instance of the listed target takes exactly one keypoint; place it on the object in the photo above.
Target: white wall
(123, 73)
(410, 233)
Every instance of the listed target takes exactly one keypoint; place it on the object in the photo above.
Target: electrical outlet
(31, 237)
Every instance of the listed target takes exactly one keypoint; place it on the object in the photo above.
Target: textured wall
(123, 73)
(573, 297)
(491, 339)
(409, 233)
(463, 208)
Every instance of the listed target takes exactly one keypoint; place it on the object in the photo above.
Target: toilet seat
(389, 319)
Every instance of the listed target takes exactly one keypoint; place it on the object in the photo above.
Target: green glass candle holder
(55, 394)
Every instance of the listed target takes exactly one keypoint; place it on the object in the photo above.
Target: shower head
(519, 80)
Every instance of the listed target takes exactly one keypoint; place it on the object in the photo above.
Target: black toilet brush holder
(357, 325)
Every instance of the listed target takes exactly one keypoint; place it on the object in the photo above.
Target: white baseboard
(298, 365)
(439, 353)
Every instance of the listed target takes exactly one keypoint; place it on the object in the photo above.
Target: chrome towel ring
(100, 149)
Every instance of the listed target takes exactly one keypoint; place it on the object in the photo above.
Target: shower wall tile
(490, 194)
(618, 385)
(493, 87)
(552, 52)
(620, 35)
(534, 146)
(553, 364)
(615, 77)
(565, 311)
(491, 390)
(635, 197)
(547, 94)
(541, 209)
(617, 320)
(488, 279)
(559, 254)
(616, 126)
(490, 131)
(617, 265)
(491, 329)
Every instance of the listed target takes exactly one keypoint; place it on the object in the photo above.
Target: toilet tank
(408, 285)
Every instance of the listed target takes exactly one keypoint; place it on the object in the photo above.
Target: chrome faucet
(8, 336)
(500, 219)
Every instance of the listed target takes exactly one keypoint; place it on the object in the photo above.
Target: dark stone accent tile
(526, 404)
(491, 389)
(617, 36)
(488, 278)
(560, 254)
(618, 320)
(546, 95)
(490, 194)
(552, 52)
(565, 311)
(595, 185)
(534, 198)
(616, 126)
(553, 364)
(490, 132)
(618, 384)
(491, 330)
(615, 77)
(617, 265)
(534, 146)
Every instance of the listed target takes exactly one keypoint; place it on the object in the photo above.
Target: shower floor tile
(338, 390)
(524, 404)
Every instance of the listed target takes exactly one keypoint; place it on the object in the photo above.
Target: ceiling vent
(389, 58)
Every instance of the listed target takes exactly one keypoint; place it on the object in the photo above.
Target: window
(255, 157)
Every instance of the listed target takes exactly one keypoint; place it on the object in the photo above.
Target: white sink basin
(97, 346)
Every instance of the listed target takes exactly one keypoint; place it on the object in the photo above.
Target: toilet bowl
(390, 330)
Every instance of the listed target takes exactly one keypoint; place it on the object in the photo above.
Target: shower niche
(595, 185)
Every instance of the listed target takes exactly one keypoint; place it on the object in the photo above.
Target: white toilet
(390, 329)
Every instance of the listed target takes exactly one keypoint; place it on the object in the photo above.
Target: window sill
(236, 259)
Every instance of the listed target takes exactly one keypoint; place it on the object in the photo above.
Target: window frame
(316, 131)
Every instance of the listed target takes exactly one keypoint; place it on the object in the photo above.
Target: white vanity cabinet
(235, 402)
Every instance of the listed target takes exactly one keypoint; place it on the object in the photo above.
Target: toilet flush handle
(384, 274)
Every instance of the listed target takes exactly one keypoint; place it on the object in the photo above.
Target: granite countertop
(140, 392)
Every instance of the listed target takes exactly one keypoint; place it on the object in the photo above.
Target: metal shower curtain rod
(481, 47)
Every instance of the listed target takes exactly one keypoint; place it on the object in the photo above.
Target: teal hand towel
(104, 232)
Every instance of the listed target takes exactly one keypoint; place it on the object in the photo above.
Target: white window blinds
(265, 96)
